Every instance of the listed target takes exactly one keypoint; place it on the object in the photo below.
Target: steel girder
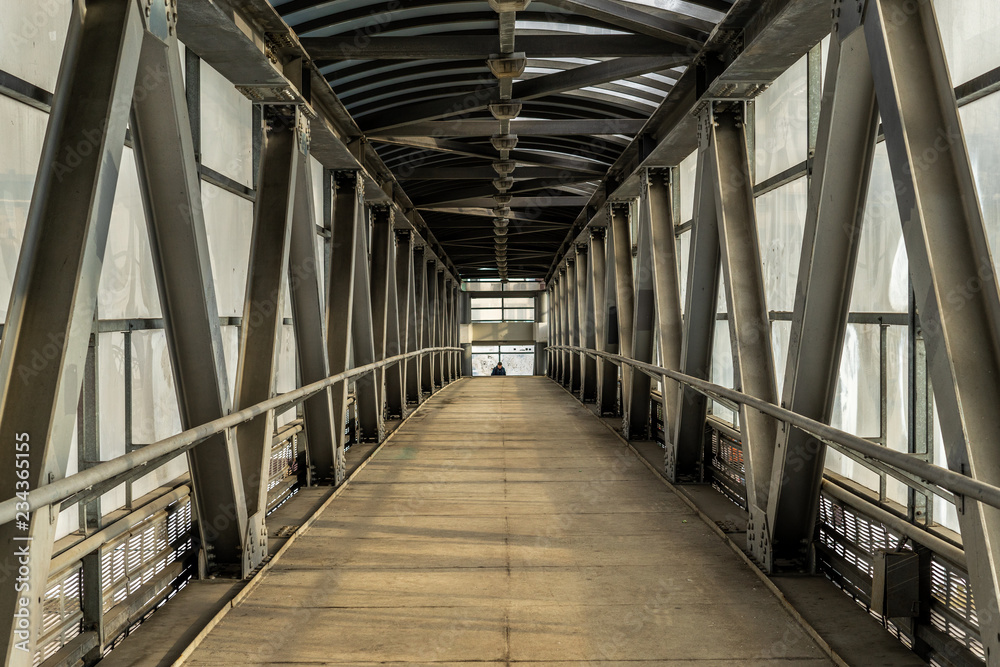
(581, 324)
(406, 290)
(607, 392)
(683, 458)
(385, 310)
(597, 311)
(951, 269)
(168, 177)
(47, 331)
(274, 210)
(427, 319)
(572, 326)
(643, 317)
(440, 335)
(367, 392)
(307, 298)
(848, 127)
(621, 237)
(347, 221)
(656, 210)
(749, 327)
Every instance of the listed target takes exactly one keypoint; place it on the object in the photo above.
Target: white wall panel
(781, 216)
(32, 36)
(781, 121)
(229, 220)
(226, 127)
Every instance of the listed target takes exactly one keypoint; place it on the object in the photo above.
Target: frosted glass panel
(781, 122)
(162, 475)
(979, 122)
(154, 401)
(683, 250)
(69, 518)
(881, 282)
(780, 333)
(21, 134)
(128, 284)
(32, 36)
(722, 367)
(897, 405)
(285, 377)
(856, 408)
(781, 216)
(968, 30)
(688, 173)
(229, 221)
(231, 352)
(111, 399)
(944, 511)
(226, 127)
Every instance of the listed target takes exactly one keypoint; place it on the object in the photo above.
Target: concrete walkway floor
(505, 524)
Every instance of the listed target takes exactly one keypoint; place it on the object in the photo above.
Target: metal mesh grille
(62, 612)
(135, 558)
(726, 468)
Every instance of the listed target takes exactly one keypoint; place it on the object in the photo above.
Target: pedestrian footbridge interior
(261, 262)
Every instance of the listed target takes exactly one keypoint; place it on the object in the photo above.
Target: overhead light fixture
(500, 6)
(504, 167)
(500, 240)
(504, 142)
(500, 222)
(507, 110)
(503, 184)
(502, 199)
(507, 66)
(502, 211)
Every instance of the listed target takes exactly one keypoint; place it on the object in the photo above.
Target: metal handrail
(949, 480)
(64, 488)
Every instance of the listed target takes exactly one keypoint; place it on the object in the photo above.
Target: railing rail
(947, 479)
(67, 487)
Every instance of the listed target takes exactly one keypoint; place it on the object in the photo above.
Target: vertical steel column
(584, 316)
(848, 127)
(395, 398)
(420, 317)
(348, 209)
(953, 276)
(556, 326)
(170, 186)
(596, 314)
(428, 320)
(642, 323)
(608, 389)
(683, 457)
(663, 244)
(262, 311)
(465, 310)
(449, 321)
(382, 240)
(572, 369)
(47, 332)
(321, 422)
(561, 291)
(580, 311)
(625, 299)
(541, 324)
(749, 327)
(367, 393)
(405, 289)
(439, 327)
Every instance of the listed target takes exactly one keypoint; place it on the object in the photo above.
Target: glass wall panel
(969, 31)
(285, 379)
(111, 407)
(856, 408)
(881, 282)
(154, 400)
(21, 136)
(781, 331)
(687, 169)
(781, 216)
(683, 252)
(32, 37)
(128, 283)
(229, 220)
(781, 120)
(722, 367)
(944, 511)
(979, 123)
(226, 127)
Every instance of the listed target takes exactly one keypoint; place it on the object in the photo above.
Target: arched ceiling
(419, 78)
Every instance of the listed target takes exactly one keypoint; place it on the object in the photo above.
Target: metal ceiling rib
(417, 78)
